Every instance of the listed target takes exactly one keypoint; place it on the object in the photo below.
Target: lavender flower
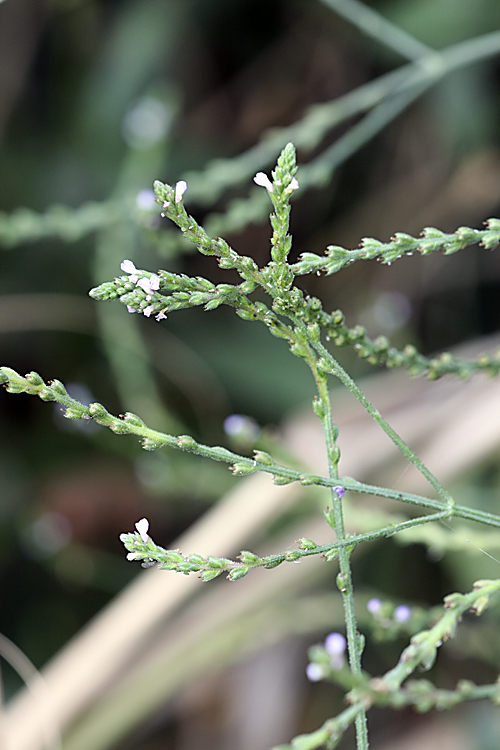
(149, 285)
(335, 645)
(402, 613)
(373, 606)
(314, 672)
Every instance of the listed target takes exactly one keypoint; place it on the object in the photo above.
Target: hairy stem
(344, 578)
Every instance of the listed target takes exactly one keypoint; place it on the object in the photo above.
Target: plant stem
(336, 369)
(344, 579)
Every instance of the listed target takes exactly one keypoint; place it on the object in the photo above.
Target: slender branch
(329, 364)
(380, 28)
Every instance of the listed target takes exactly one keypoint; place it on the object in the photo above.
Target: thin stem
(344, 578)
(153, 439)
(336, 369)
(380, 28)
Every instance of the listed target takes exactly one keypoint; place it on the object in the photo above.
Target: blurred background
(97, 99)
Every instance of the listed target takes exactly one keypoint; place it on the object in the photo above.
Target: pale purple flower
(241, 427)
(314, 672)
(402, 613)
(149, 285)
(148, 310)
(131, 309)
(373, 606)
(340, 491)
(161, 316)
(335, 644)
(180, 189)
(145, 200)
(263, 180)
(142, 527)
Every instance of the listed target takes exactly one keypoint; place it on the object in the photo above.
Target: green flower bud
(197, 559)
(318, 408)
(236, 573)
(72, 413)
(209, 575)
(264, 458)
(151, 444)
(186, 442)
(342, 582)
(249, 558)
(133, 419)
(281, 480)
(241, 470)
(34, 378)
(307, 544)
(45, 393)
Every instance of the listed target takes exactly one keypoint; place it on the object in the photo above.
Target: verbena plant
(311, 333)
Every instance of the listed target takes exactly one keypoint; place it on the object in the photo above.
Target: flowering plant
(310, 332)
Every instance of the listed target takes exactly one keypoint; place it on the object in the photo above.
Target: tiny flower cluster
(263, 180)
(180, 189)
(326, 658)
(148, 284)
(390, 621)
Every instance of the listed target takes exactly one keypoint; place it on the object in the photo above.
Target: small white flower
(161, 316)
(134, 556)
(263, 180)
(180, 189)
(142, 527)
(149, 285)
(148, 310)
(294, 185)
(128, 266)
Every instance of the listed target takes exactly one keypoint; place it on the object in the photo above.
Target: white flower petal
(145, 284)
(180, 189)
(142, 527)
(263, 180)
(128, 266)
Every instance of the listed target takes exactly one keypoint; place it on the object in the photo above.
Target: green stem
(34, 385)
(344, 579)
(336, 369)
